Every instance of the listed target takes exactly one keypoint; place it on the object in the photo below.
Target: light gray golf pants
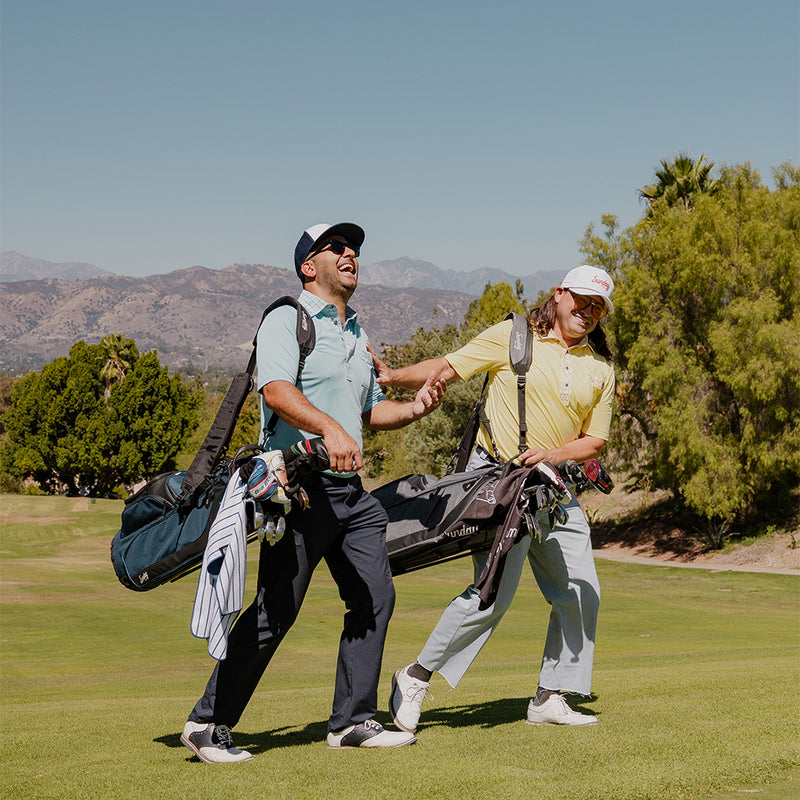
(563, 567)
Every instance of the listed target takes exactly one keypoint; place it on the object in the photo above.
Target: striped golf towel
(220, 587)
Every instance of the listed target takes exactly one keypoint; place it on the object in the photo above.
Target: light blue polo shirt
(338, 377)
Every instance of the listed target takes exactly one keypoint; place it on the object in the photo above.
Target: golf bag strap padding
(520, 353)
(306, 339)
(219, 434)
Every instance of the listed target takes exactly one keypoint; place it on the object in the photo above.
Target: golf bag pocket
(164, 534)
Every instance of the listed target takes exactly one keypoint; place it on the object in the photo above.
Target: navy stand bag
(165, 524)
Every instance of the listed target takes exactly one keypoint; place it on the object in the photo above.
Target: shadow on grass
(485, 715)
(493, 712)
(287, 736)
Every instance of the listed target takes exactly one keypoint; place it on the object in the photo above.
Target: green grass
(696, 681)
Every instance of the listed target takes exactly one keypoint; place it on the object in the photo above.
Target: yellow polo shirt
(568, 391)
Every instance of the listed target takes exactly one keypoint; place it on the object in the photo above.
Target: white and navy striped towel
(220, 587)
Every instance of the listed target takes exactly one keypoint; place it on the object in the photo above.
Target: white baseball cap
(590, 281)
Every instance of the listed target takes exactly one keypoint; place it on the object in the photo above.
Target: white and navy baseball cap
(353, 234)
(590, 280)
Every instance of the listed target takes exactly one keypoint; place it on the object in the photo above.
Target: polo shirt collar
(551, 334)
(317, 307)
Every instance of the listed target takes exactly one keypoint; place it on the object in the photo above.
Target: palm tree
(120, 353)
(679, 181)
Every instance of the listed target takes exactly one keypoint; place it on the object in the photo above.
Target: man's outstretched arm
(415, 375)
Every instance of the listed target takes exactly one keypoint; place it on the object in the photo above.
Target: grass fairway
(696, 682)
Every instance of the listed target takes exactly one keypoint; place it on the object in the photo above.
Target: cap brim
(352, 233)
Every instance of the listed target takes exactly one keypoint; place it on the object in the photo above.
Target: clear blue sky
(149, 136)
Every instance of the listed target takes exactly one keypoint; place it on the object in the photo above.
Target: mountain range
(17, 267)
(198, 317)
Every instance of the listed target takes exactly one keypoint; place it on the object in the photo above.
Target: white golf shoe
(405, 701)
(555, 711)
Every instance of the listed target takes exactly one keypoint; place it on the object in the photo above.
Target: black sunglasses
(335, 246)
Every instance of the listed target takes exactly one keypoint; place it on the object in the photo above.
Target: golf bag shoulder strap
(520, 345)
(306, 339)
(458, 463)
(520, 354)
(219, 435)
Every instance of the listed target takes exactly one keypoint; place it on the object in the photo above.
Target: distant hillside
(406, 272)
(201, 317)
(401, 272)
(194, 316)
(17, 267)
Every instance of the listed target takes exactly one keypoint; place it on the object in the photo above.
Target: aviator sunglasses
(599, 310)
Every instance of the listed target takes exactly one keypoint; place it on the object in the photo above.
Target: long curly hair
(543, 317)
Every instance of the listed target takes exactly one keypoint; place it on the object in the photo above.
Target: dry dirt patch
(644, 524)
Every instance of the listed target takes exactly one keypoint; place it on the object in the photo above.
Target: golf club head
(560, 513)
(597, 475)
(570, 471)
(307, 455)
(265, 475)
(549, 477)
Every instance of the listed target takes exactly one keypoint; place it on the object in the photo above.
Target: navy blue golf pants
(346, 526)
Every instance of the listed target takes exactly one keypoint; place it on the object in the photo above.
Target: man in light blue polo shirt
(338, 377)
(336, 396)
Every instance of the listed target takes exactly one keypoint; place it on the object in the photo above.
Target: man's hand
(578, 450)
(381, 370)
(534, 456)
(429, 396)
(293, 407)
(342, 450)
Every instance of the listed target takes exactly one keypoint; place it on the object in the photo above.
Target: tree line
(95, 421)
(705, 341)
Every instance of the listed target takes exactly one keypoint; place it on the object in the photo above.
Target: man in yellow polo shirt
(568, 403)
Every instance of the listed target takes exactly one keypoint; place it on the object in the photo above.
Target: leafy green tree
(150, 415)
(63, 433)
(679, 182)
(8, 483)
(6, 390)
(707, 344)
(427, 445)
(493, 305)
